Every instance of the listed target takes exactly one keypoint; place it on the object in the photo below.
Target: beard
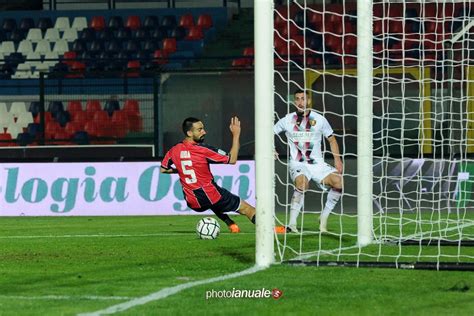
(199, 140)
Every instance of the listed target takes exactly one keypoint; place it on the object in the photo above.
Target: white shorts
(316, 172)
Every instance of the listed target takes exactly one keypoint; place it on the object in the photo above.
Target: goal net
(422, 164)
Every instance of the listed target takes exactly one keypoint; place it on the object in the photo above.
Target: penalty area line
(168, 292)
(112, 235)
(66, 297)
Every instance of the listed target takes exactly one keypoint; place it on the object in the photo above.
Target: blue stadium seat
(115, 22)
(169, 22)
(81, 138)
(17, 35)
(150, 22)
(63, 118)
(34, 108)
(105, 34)
(26, 24)
(178, 32)
(149, 46)
(131, 46)
(79, 46)
(123, 33)
(140, 34)
(96, 47)
(8, 24)
(44, 23)
(113, 46)
(111, 106)
(158, 34)
(55, 107)
(87, 34)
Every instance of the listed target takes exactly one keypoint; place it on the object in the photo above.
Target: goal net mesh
(423, 128)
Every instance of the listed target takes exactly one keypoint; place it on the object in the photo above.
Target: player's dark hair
(300, 91)
(188, 124)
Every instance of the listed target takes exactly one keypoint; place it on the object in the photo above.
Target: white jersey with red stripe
(304, 134)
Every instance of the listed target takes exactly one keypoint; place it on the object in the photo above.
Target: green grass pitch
(74, 265)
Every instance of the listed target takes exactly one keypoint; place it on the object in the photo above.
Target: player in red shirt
(191, 159)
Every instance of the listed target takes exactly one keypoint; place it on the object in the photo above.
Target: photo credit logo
(241, 293)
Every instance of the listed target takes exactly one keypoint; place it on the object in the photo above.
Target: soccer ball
(208, 228)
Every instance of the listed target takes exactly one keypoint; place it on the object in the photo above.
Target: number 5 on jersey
(187, 165)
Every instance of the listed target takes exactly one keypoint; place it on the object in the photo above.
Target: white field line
(167, 292)
(65, 297)
(108, 235)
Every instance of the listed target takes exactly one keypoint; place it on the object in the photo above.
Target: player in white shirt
(304, 130)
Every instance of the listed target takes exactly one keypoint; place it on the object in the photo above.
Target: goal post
(264, 111)
(400, 103)
(364, 122)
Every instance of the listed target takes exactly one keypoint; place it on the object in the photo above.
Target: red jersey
(192, 162)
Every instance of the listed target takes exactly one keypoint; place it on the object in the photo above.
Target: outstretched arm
(335, 153)
(235, 130)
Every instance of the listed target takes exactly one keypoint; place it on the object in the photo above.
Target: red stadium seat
(92, 106)
(48, 117)
(120, 123)
(169, 45)
(186, 20)
(133, 68)
(97, 23)
(204, 21)
(70, 57)
(133, 22)
(80, 118)
(131, 106)
(241, 63)
(195, 33)
(51, 129)
(71, 128)
(159, 57)
(6, 140)
(101, 117)
(74, 106)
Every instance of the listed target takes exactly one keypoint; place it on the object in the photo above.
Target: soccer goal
(396, 83)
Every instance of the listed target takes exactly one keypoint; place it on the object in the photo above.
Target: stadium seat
(63, 118)
(178, 33)
(70, 35)
(23, 71)
(34, 35)
(115, 22)
(113, 46)
(96, 47)
(168, 22)
(131, 106)
(43, 47)
(169, 45)
(81, 138)
(131, 46)
(92, 106)
(140, 34)
(123, 33)
(24, 119)
(71, 128)
(77, 70)
(204, 21)
(158, 34)
(111, 106)
(105, 35)
(17, 36)
(17, 108)
(14, 129)
(159, 57)
(6, 140)
(44, 23)
(25, 47)
(61, 46)
(62, 23)
(61, 138)
(69, 57)
(149, 46)
(94, 129)
(52, 35)
(34, 108)
(133, 68)
(24, 139)
(150, 22)
(133, 22)
(80, 118)
(26, 24)
(55, 107)
(34, 130)
(97, 23)
(33, 59)
(6, 119)
(195, 33)
(48, 117)
(51, 129)
(186, 20)
(3, 108)
(79, 46)
(79, 23)
(8, 25)
(7, 47)
(120, 123)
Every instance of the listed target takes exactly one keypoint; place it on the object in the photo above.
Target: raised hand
(234, 126)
